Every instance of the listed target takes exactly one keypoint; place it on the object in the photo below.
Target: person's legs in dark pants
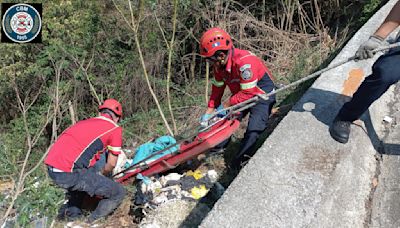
(385, 72)
(71, 210)
(94, 184)
(75, 198)
(258, 121)
(257, 124)
(91, 183)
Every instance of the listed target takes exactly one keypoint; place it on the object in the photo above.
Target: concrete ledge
(301, 177)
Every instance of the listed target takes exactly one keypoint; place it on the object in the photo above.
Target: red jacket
(242, 72)
(81, 145)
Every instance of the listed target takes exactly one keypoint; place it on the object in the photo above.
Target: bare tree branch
(170, 52)
(31, 139)
(84, 69)
(162, 32)
(71, 112)
(135, 27)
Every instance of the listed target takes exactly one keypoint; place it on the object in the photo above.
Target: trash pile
(191, 186)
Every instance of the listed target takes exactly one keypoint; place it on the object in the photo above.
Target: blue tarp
(158, 144)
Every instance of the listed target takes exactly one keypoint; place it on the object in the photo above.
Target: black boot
(69, 214)
(340, 130)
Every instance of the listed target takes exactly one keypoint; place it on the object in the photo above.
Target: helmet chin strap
(226, 57)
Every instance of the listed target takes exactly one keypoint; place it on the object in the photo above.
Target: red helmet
(214, 39)
(113, 105)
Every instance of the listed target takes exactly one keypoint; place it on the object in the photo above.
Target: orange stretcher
(188, 149)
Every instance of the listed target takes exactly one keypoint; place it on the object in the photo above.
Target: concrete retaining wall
(301, 177)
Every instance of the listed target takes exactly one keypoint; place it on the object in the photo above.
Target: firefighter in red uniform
(71, 159)
(246, 76)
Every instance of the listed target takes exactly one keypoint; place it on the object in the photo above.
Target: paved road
(303, 178)
(386, 199)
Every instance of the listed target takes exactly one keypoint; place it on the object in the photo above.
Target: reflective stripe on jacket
(241, 74)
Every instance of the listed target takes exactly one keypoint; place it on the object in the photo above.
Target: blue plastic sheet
(147, 149)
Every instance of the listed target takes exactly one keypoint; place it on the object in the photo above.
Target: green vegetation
(89, 53)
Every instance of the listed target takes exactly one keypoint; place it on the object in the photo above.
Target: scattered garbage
(213, 175)
(387, 119)
(121, 163)
(198, 192)
(191, 186)
(309, 106)
(179, 213)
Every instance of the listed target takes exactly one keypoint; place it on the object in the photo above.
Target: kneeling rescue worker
(71, 159)
(246, 76)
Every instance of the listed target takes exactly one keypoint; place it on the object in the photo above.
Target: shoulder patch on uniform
(246, 74)
(244, 67)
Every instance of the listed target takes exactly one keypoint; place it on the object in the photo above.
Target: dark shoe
(238, 163)
(69, 214)
(61, 212)
(340, 130)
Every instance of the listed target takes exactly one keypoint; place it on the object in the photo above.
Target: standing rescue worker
(71, 159)
(246, 76)
(385, 72)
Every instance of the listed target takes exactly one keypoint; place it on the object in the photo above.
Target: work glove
(222, 113)
(204, 119)
(365, 51)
